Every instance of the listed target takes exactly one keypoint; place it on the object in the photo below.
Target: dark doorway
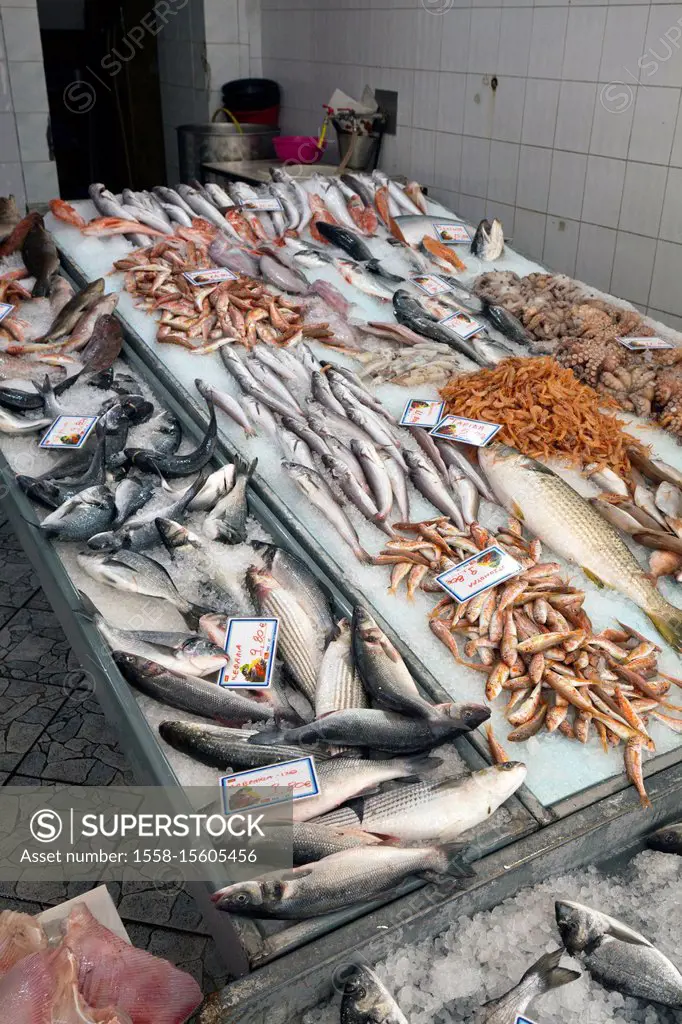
(101, 65)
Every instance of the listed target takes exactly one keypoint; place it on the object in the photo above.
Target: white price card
(251, 645)
(5, 309)
(422, 412)
(69, 432)
(637, 344)
(261, 787)
(459, 428)
(462, 324)
(478, 573)
(261, 204)
(209, 275)
(431, 284)
(451, 234)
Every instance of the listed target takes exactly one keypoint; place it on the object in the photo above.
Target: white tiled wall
(578, 150)
(26, 169)
(206, 43)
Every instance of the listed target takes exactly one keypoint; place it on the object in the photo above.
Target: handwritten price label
(274, 784)
(478, 573)
(251, 645)
(458, 428)
(422, 412)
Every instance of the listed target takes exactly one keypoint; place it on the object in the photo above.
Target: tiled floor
(53, 730)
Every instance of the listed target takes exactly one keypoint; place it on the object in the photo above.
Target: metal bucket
(364, 150)
(217, 143)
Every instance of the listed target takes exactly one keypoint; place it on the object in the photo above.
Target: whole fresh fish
(322, 393)
(229, 405)
(282, 277)
(356, 495)
(410, 312)
(24, 396)
(488, 241)
(294, 449)
(335, 201)
(366, 1000)
(345, 455)
(376, 473)
(363, 188)
(454, 458)
(40, 257)
(167, 433)
(617, 956)
(227, 520)
(158, 220)
(343, 778)
(134, 573)
(106, 202)
(431, 450)
(375, 428)
(466, 491)
(564, 521)
(140, 532)
(322, 497)
(397, 194)
(81, 334)
(300, 645)
(226, 254)
(543, 976)
(298, 192)
(505, 322)
(427, 481)
(401, 498)
(70, 314)
(667, 839)
(17, 425)
(342, 386)
(340, 880)
(216, 487)
(283, 363)
(269, 381)
(83, 515)
(52, 493)
(283, 191)
(185, 653)
(169, 197)
(312, 841)
(355, 274)
(189, 693)
(383, 730)
(219, 746)
(105, 344)
(413, 227)
(323, 421)
(291, 573)
(174, 465)
(201, 207)
(385, 675)
(338, 685)
(439, 811)
(130, 496)
(261, 417)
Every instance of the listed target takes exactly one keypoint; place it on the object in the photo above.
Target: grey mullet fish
(339, 686)
(219, 746)
(322, 497)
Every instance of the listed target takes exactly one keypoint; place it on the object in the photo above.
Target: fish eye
(668, 837)
(242, 897)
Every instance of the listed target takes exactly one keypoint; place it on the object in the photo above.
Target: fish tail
(548, 972)
(451, 861)
(193, 613)
(669, 625)
(362, 556)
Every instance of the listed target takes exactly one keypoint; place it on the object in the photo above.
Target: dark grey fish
(667, 839)
(40, 257)
(174, 465)
(359, 187)
(188, 693)
(168, 434)
(506, 323)
(382, 730)
(410, 313)
(219, 746)
(617, 956)
(105, 344)
(385, 675)
(130, 496)
(53, 493)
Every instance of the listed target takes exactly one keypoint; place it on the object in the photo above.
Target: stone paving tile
(78, 748)
(26, 708)
(33, 646)
(18, 582)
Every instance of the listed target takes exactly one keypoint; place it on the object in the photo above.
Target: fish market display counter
(561, 778)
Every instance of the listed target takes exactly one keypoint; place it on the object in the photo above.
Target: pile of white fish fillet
(444, 980)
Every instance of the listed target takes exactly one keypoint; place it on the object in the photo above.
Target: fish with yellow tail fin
(563, 520)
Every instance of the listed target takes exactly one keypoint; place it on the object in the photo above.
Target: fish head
(366, 999)
(508, 777)
(214, 626)
(241, 898)
(466, 717)
(580, 926)
(106, 541)
(260, 582)
(666, 840)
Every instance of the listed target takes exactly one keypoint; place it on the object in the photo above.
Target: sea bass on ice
(564, 521)
(366, 1000)
(542, 977)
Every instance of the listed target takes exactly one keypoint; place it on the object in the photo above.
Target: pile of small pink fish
(534, 642)
(92, 976)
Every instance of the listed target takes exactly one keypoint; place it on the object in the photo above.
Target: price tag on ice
(431, 284)
(251, 645)
(254, 788)
(459, 428)
(422, 412)
(462, 324)
(261, 204)
(451, 234)
(69, 432)
(478, 573)
(5, 310)
(524, 1020)
(209, 275)
(636, 344)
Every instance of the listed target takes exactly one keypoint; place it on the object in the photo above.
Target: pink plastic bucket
(298, 149)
